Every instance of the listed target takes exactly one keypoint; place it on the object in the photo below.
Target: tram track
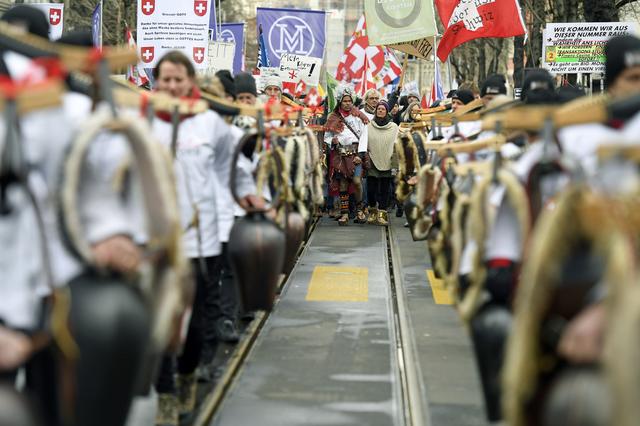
(216, 397)
(413, 395)
(414, 408)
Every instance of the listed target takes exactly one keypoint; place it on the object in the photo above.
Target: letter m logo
(291, 43)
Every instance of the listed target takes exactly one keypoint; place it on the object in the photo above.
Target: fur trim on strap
(481, 222)
(169, 289)
(555, 236)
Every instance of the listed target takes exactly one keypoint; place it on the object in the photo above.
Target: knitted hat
(245, 83)
(227, 82)
(622, 52)
(463, 95)
(385, 104)
(273, 81)
(34, 20)
(81, 38)
(495, 84)
(539, 88)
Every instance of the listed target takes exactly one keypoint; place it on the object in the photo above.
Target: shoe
(399, 211)
(344, 220)
(360, 217)
(187, 387)
(226, 331)
(208, 373)
(373, 216)
(248, 316)
(334, 214)
(167, 414)
(406, 224)
(383, 218)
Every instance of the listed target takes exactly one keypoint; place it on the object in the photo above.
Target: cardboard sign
(221, 57)
(420, 48)
(579, 47)
(294, 68)
(55, 15)
(166, 25)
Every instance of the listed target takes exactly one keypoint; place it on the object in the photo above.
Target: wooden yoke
(73, 58)
(34, 97)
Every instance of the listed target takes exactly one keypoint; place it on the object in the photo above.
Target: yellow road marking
(338, 284)
(440, 293)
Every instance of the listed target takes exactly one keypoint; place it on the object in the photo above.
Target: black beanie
(35, 20)
(622, 52)
(227, 82)
(539, 88)
(569, 93)
(82, 38)
(495, 84)
(463, 95)
(245, 83)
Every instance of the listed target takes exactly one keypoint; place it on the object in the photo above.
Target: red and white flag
(466, 20)
(369, 67)
(135, 73)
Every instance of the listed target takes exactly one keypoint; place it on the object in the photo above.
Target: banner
(466, 20)
(399, 21)
(165, 25)
(579, 47)
(213, 20)
(234, 33)
(300, 32)
(220, 56)
(96, 25)
(296, 68)
(55, 15)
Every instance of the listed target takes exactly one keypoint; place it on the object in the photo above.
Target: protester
(245, 88)
(382, 133)
(371, 99)
(345, 131)
(493, 86)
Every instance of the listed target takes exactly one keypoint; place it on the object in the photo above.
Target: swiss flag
(313, 99)
(464, 21)
(200, 7)
(148, 6)
(55, 16)
(198, 54)
(147, 54)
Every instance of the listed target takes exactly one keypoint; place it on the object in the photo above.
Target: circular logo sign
(400, 17)
(227, 36)
(290, 34)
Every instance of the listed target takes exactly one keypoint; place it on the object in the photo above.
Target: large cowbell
(256, 248)
(256, 254)
(110, 324)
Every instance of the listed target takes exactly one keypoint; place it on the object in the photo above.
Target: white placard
(221, 55)
(265, 73)
(165, 25)
(571, 48)
(294, 68)
(55, 15)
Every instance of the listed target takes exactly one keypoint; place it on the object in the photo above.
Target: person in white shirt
(202, 160)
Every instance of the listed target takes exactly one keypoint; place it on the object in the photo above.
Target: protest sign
(55, 15)
(220, 57)
(294, 68)
(399, 21)
(165, 25)
(579, 47)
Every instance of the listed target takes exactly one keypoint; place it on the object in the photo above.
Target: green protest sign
(399, 21)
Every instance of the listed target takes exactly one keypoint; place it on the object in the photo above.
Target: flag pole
(405, 64)
(101, 23)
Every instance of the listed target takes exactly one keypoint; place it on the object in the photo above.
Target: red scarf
(344, 113)
(166, 116)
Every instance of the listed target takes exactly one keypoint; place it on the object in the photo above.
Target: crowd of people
(92, 191)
